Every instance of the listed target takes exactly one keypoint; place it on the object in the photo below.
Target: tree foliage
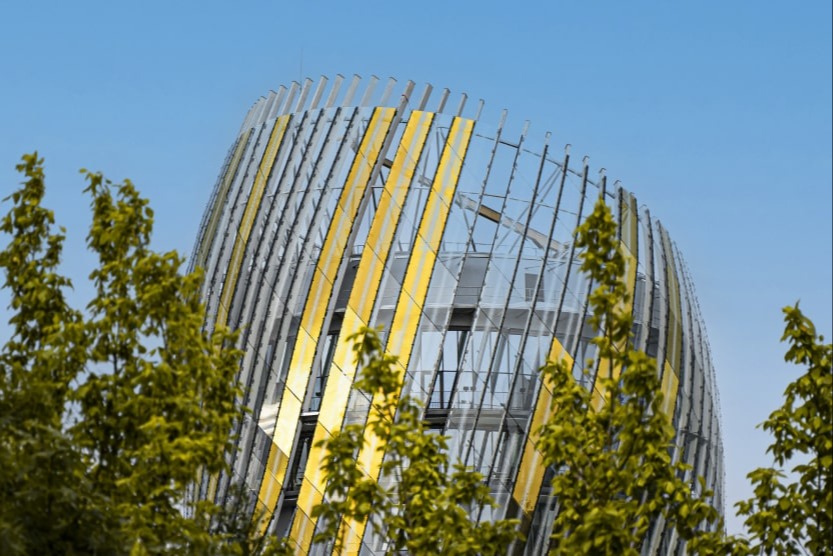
(615, 473)
(106, 416)
(792, 513)
(425, 510)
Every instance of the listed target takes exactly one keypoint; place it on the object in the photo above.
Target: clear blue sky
(716, 114)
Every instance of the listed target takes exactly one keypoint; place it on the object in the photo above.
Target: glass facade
(456, 236)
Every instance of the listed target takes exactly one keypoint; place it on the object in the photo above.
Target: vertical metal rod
(368, 92)
(319, 92)
(443, 99)
(351, 90)
(334, 91)
(407, 92)
(247, 121)
(278, 101)
(577, 338)
(261, 106)
(423, 101)
(290, 98)
(270, 103)
(490, 356)
(462, 105)
(302, 99)
(480, 104)
(387, 92)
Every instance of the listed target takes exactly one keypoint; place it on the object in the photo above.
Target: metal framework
(457, 238)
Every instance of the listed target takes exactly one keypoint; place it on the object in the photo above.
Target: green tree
(426, 510)
(615, 473)
(792, 513)
(107, 417)
(47, 500)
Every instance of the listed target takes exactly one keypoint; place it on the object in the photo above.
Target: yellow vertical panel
(634, 215)
(217, 208)
(670, 384)
(531, 470)
(630, 277)
(333, 406)
(304, 351)
(415, 286)
(598, 399)
(629, 246)
(409, 306)
(318, 297)
(674, 338)
(359, 308)
(629, 223)
(421, 262)
(277, 462)
(290, 406)
(322, 281)
(530, 477)
(245, 228)
(239, 247)
(303, 525)
(351, 533)
(675, 329)
(372, 262)
(212, 486)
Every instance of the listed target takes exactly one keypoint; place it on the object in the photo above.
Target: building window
(322, 371)
(299, 463)
(442, 390)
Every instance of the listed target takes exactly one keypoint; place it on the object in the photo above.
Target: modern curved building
(343, 204)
